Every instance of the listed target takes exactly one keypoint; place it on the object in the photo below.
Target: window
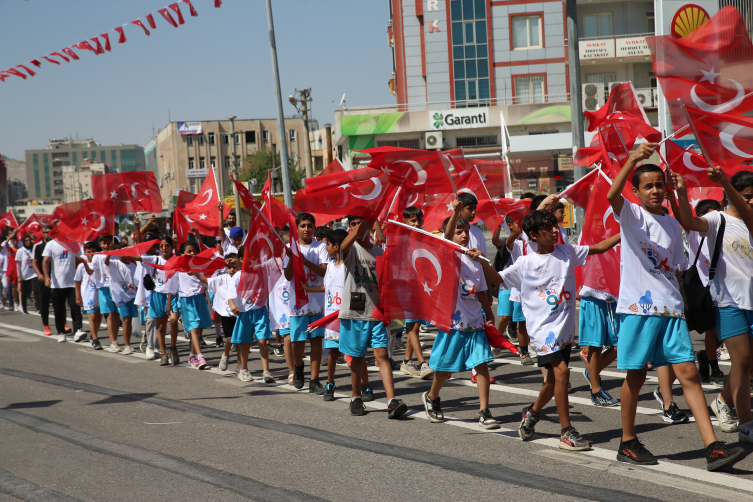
(526, 32)
(84, 155)
(127, 160)
(201, 139)
(225, 139)
(58, 191)
(650, 25)
(210, 138)
(114, 159)
(58, 183)
(470, 53)
(94, 155)
(190, 163)
(250, 136)
(265, 136)
(227, 162)
(189, 140)
(477, 141)
(237, 138)
(529, 89)
(192, 185)
(600, 78)
(37, 176)
(46, 160)
(57, 173)
(202, 163)
(597, 25)
(291, 134)
(75, 158)
(213, 161)
(102, 156)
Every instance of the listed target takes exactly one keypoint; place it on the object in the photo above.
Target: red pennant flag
(106, 36)
(190, 6)
(61, 56)
(168, 17)
(205, 262)
(122, 38)
(499, 341)
(217, 3)
(70, 52)
(8, 220)
(36, 63)
(139, 23)
(134, 250)
(359, 198)
(517, 209)
(336, 179)
(176, 8)
(31, 73)
(207, 198)
(249, 202)
(692, 166)
(98, 50)
(580, 192)
(436, 211)
(150, 20)
(274, 209)
(85, 46)
(128, 192)
(726, 138)
(206, 222)
(329, 321)
(181, 227)
(419, 276)
(3, 77)
(299, 272)
(32, 225)
(334, 167)
(622, 103)
(51, 60)
(417, 170)
(15, 72)
(83, 221)
(263, 260)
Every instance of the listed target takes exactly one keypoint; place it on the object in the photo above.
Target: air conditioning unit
(433, 140)
(645, 97)
(612, 85)
(655, 95)
(593, 97)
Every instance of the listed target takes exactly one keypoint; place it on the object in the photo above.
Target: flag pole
(458, 246)
(697, 137)
(444, 164)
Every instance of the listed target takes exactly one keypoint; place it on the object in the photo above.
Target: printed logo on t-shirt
(333, 300)
(468, 291)
(555, 298)
(552, 344)
(645, 306)
(127, 286)
(284, 292)
(64, 255)
(654, 257)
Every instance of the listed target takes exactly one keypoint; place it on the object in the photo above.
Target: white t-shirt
(279, 304)
(3, 258)
(96, 263)
(228, 246)
(243, 304)
(89, 294)
(122, 285)
(476, 240)
(24, 259)
(221, 287)
(469, 316)
(161, 283)
(189, 285)
(651, 250)
(547, 282)
(597, 294)
(333, 294)
(63, 266)
(520, 248)
(732, 285)
(316, 253)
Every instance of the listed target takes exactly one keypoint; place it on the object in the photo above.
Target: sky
(215, 65)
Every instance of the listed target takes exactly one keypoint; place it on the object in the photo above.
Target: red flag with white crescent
(727, 138)
(263, 260)
(205, 262)
(128, 192)
(299, 272)
(82, 222)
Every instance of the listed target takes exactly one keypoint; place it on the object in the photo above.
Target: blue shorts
(128, 309)
(357, 335)
(284, 332)
(504, 305)
(732, 321)
(299, 325)
(460, 351)
(596, 328)
(331, 344)
(106, 305)
(658, 340)
(175, 304)
(142, 314)
(420, 322)
(92, 311)
(158, 305)
(195, 312)
(517, 312)
(250, 326)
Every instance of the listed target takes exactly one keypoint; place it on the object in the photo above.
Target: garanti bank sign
(459, 118)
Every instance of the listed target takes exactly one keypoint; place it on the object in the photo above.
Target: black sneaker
(367, 393)
(315, 387)
(329, 392)
(96, 345)
(356, 407)
(718, 378)
(202, 342)
(704, 370)
(396, 407)
(433, 408)
(279, 351)
(657, 396)
(298, 377)
(674, 416)
(219, 342)
(719, 456)
(528, 423)
(601, 398)
(633, 452)
(486, 420)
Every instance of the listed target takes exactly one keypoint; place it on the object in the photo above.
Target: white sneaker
(245, 376)
(223, 363)
(725, 414)
(62, 338)
(424, 329)
(127, 350)
(149, 354)
(79, 336)
(722, 354)
(745, 432)
(114, 347)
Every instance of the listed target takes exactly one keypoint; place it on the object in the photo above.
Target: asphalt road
(78, 424)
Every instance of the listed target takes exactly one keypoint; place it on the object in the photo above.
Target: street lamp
(305, 97)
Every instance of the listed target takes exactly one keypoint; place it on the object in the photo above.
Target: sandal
(290, 379)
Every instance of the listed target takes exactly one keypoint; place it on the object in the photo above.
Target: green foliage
(256, 166)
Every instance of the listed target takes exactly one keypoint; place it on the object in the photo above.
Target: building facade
(44, 168)
(77, 180)
(16, 191)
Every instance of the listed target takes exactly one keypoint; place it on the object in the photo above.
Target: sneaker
(396, 408)
(80, 336)
(315, 387)
(433, 408)
(298, 377)
(185, 336)
(68, 331)
(633, 452)
(245, 376)
(142, 344)
(674, 416)
(720, 456)
(570, 388)
(356, 407)
(279, 351)
(718, 378)
(47, 331)
(237, 370)
(62, 338)
(394, 365)
(497, 353)
(528, 423)
(426, 372)
(657, 396)
(164, 360)
(704, 370)
(725, 414)
(526, 360)
(601, 398)
(486, 420)
(268, 378)
(722, 354)
(367, 393)
(474, 379)
(745, 432)
(223, 363)
(329, 392)
(571, 440)
(174, 358)
(114, 347)
(193, 362)
(410, 368)
(398, 344)
(96, 345)
(202, 343)
(233, 348)
(424, 328)
(219, 342)
(202, 362)
(149, 354)
(128, 350)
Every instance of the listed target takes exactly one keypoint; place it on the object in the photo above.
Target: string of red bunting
(171, 14)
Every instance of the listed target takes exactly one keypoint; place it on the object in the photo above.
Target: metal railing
(439, 105)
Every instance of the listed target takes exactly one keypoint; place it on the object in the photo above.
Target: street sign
(569, 221)
(229, 201)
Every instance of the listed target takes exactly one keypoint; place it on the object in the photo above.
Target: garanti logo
(438, 120)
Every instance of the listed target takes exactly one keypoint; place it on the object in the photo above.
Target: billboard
(189, 127)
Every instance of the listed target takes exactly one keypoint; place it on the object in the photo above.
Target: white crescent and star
(727, 137)
(422, 176)
(209, 197)
(423, 253)
(374, 193)
(713, 108)
(687, 159)
(192, 265)
(102, 221)
(262, 236)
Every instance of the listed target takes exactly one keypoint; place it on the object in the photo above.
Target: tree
(257, 165)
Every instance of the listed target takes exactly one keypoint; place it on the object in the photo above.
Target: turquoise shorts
(357, 335)
(596, 327)
(732, 321)
(658, 340)
(460, 351)
(299, 326)
(128, 309)
(331, 344)
(504, 305)
(195, 312)
(106, 305)
(158, 305)
(92, 311)
(250, 326)
(517, 312)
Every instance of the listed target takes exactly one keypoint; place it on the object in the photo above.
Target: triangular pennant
(168, 17)
(70, 52)
(217, 3)
(36, 63)
(139, 23)
(107, 41)
(122, 38)
(27, 69)
(51, 60)
(98, 50)
(15, 72)
(176, 8)
(86, 45)
(61, 56)
(190, 6)
(150, 20)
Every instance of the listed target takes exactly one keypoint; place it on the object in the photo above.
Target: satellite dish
(342, 100)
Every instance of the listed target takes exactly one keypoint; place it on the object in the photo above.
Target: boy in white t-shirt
(546, 281)
(732, 292)
(221, 287)
(87, 295)
(652, 324)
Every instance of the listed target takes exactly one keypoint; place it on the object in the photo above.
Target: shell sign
(687, 19)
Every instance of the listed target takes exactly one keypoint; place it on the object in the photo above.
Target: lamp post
(305, 97)
(238, 212)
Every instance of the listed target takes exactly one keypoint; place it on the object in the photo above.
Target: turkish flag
(82, 222)
(622, 102)
(441, 208)
(359, 198)
(207, 198)
(579, 193)
(419, 171)
(420, 274)
(612, 163)
(499, 341)
(206, 222)
(588, 155)
(710, 68)
(727, 138)
(696, 195)
(205, 262)
(334, 167)
(263, 260)
(329, 321)
(517, 209)
(299, 272)
(401, 200)
(129, 192)
(274, 209)
(249, 202)
(8, 220)
(31, 225)
(134, 250)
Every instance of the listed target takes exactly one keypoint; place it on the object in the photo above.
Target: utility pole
(304, 101)
(238, 212)
(576, 103)
(286, 189)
